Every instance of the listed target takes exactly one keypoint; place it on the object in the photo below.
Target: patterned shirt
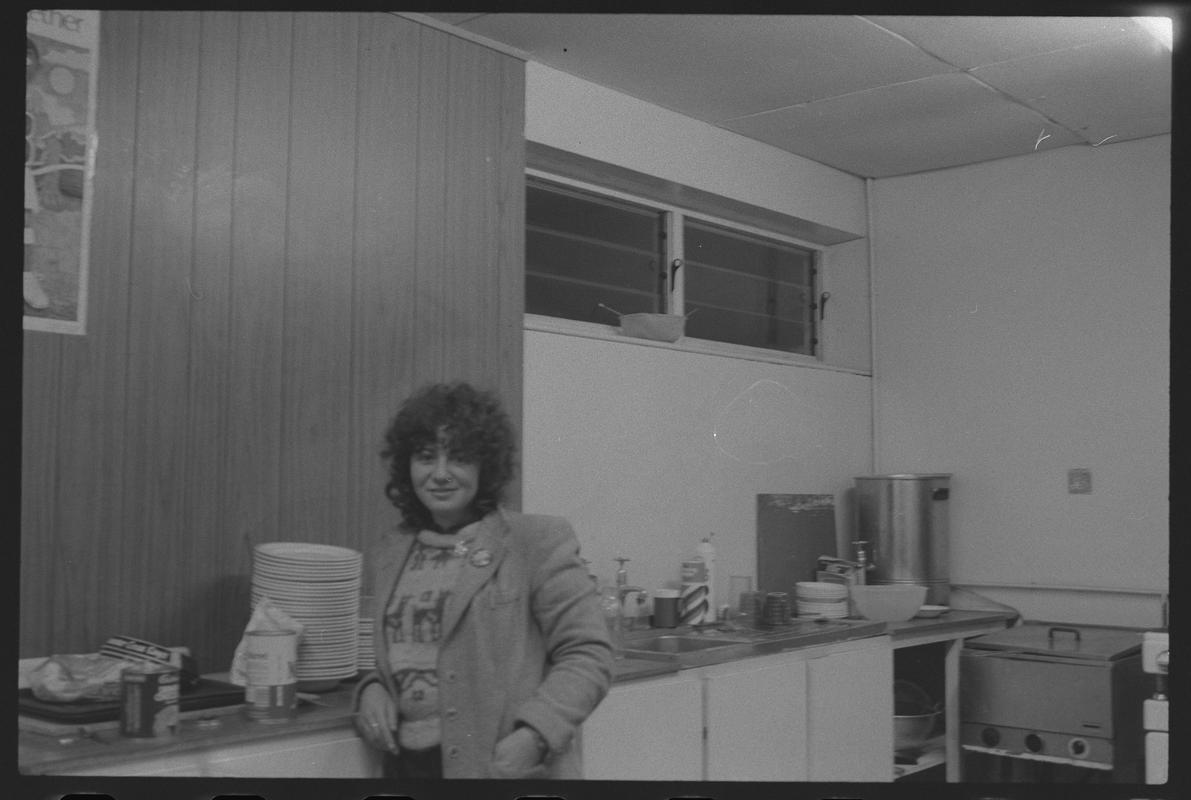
(413, 632)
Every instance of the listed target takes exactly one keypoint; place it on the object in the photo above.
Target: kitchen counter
(956, 621)
(954, 625)
(101, 744)
(716, 645)
(56, 751)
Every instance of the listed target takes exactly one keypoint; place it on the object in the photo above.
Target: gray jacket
(524, 641)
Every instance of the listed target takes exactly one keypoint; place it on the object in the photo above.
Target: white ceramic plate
(820, 590)
(307, 551)
(930, 612)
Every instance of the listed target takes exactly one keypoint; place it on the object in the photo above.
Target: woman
(490, 646)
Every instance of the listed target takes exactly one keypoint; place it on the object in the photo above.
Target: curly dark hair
(478, 431)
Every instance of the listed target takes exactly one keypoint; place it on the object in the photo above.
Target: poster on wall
(61, 48)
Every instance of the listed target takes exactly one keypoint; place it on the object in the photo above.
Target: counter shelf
(106, 749)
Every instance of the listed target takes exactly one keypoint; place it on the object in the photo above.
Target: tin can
(775, 609)
(270, 691)
(150, 701)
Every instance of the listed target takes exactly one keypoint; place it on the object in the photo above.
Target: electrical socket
(1079, 481)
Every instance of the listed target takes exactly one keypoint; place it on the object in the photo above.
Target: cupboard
(817, 714)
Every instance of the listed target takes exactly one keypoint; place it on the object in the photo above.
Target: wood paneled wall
(298, 218)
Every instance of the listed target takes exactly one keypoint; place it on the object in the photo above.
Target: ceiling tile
(715, 66)
(1119, 88)
(937, 122)
(974, 41)
(874, 96)
(453, 17)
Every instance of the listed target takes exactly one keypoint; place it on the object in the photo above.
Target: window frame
(673, 218)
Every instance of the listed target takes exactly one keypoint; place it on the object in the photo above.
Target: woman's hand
(376, 719)
(517, 753)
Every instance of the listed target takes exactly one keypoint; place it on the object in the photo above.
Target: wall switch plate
(1079, 481)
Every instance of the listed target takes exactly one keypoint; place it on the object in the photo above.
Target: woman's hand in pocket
(518, 755)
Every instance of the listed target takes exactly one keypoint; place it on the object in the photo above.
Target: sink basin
(700, 649)
(677, 643)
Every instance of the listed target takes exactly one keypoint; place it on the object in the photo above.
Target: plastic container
(659, 327)
(666, 608)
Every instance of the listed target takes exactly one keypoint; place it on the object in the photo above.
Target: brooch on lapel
(481, 558)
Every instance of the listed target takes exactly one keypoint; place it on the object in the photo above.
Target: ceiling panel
(730, 65)
(943, 121)
(1117, 88)
(973, 41)
(874, 96)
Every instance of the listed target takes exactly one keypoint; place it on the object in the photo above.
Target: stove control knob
(1034, 743)
(1077, 748)
(991, 737)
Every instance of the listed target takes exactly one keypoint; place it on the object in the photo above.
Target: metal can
(270, 690)
(150, 701)
(776, 609)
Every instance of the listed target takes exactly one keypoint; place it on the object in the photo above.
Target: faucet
(863, 564)
(855, 571)
(624, 589)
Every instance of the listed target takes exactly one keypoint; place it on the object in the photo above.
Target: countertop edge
(107, 749)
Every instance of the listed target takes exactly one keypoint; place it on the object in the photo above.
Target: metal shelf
(934, 753)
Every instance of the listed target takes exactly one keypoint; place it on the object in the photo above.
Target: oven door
(1039, 694)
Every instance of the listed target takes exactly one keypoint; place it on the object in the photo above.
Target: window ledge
(687, 344)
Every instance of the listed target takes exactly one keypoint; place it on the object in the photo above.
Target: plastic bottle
(707, 553)
(695, 600)
(610, 605)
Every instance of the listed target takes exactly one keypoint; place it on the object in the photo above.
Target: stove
(1068, 695)
(1155, 660)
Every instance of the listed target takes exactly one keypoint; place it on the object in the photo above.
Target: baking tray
(205, 693)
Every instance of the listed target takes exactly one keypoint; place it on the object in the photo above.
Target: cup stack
(821, 599)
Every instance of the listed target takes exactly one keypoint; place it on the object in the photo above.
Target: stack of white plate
(319, 586)
(366, 659)
(821, 599)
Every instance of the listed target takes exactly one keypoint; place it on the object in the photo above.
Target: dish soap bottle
(697, 574)
(707, 553)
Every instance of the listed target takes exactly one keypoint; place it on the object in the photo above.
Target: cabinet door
(851, 715)
(341, 754)
(756, 721)
(646, 730)
(326, 754)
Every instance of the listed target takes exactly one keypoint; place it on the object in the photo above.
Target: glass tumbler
(738, 588)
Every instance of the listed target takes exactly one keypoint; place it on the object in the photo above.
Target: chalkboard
(793, 530)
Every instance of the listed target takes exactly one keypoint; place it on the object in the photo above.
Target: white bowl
(888, 602)
(911, 732)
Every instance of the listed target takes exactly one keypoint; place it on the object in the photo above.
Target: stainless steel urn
(904, 519)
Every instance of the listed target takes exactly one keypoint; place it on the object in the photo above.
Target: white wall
(646, 449)
(572, 114)
(1022, 328)
(1022, 313)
